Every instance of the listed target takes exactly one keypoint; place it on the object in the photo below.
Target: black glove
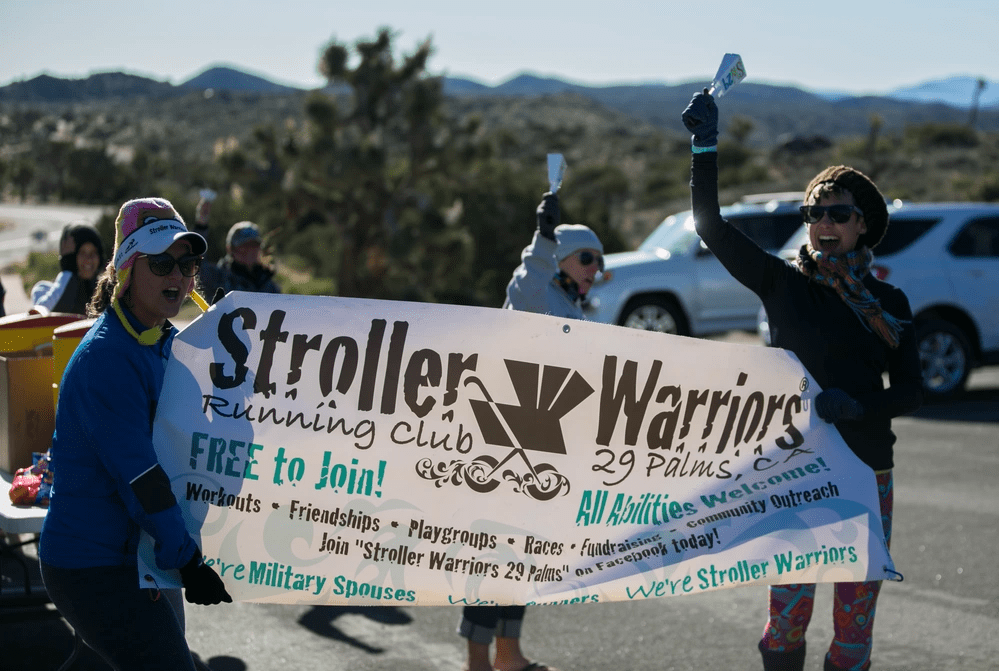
(202, 585)
(701, 119)
(548, 215)
(832, 405)
(68, 262)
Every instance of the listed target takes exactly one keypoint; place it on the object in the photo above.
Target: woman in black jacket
(847, 328)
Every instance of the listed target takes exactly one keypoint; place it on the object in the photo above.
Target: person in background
(242, 268)
(109, 486)
(558, 268)
(847, 328)
(556, 271)
(81, 257)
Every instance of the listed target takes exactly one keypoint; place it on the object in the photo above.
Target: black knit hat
(865, 194)
(86, 233)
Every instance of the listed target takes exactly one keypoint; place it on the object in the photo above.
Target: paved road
(28, 228)
(25, 228)
(943, 616)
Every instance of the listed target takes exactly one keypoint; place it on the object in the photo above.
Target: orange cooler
(31, 331)
(64, 342)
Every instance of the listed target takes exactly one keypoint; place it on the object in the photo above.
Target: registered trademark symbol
(804, 384)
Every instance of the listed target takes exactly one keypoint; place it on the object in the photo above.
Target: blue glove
(832, 405)
(701, 119)
(548, 215)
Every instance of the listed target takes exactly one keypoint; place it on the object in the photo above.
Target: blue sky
(850, 45)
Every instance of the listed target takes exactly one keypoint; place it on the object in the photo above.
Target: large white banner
(343, 451)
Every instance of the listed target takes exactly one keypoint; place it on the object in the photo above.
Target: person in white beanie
(557, 268)
(556, 271)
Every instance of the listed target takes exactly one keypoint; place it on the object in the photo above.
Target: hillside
(918, 150)
(777, 112)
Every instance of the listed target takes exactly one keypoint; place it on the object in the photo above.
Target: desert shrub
(987, 188)
(939, 135)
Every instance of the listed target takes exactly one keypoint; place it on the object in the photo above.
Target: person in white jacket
(558, 268)
(556, 271)
(81, 257)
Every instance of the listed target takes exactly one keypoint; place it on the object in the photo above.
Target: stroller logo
(545, 395)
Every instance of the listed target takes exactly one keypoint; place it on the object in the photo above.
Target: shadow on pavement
(320, 619)
(220, 663)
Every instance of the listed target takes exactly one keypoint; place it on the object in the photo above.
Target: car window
(769, 231)
(979, 238)
(795, 242)
(901, 233)
(676, 234)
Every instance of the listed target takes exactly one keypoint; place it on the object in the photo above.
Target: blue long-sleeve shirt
(107, 481)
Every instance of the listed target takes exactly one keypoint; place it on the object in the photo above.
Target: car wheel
(945, 357)
(655, 313)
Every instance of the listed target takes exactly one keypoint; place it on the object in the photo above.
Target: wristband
(703, 150)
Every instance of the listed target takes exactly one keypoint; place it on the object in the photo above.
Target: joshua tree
(974, 101)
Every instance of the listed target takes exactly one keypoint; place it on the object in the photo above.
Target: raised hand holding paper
(556, 168)
(730, 73)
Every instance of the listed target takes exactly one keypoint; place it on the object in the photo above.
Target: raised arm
(744, 259)
(528, 288)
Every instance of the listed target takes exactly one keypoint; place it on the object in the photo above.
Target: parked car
(673, 283)
(945, 257)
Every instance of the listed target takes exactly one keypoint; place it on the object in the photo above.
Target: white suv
(945, 257)
(672, 283)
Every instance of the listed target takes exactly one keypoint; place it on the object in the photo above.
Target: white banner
(336, 451)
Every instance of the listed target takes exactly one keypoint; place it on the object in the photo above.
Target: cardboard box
(27, 412)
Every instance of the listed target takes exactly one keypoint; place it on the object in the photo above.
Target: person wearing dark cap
(847, 328)
(556, 271)
(110, 486)
(242, 268)
(81, 258)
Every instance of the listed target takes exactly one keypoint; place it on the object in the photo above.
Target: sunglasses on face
(586, 258)
(162, 264)
(838, 214)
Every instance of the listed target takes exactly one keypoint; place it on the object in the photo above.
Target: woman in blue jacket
(109, 485)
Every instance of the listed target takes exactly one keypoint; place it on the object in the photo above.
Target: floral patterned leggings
(853, 607)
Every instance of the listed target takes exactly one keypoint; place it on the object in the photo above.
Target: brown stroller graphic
(532, 425)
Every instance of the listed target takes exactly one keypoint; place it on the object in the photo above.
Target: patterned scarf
(845, 274)
(568, 285)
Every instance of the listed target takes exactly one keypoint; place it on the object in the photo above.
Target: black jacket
(812, 321)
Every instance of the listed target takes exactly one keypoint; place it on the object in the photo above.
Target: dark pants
(130, 627)
(480, 623)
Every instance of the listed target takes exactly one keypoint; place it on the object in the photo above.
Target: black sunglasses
(586, 258)
(162, 264)
(838, 214)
